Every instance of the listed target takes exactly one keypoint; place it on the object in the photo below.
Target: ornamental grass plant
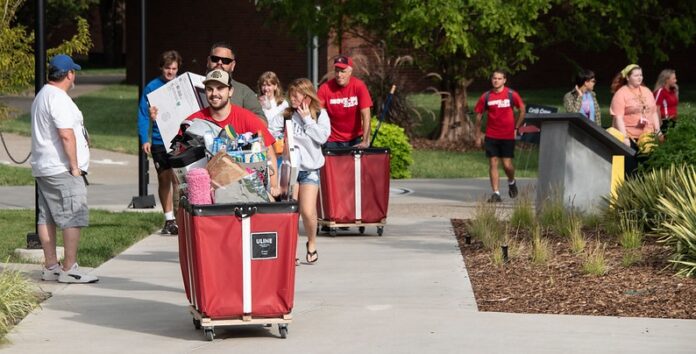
(18, 297)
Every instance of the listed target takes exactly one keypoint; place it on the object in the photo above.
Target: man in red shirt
(218, 90)
(501, 130)
(347, 101)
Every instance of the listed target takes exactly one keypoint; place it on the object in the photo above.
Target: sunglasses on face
(225, 61)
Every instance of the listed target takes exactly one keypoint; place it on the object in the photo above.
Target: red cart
(238, 263)
(354, 189)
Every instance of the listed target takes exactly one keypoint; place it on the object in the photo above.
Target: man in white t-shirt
(59, 162)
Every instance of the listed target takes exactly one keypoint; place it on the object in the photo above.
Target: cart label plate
(264, 245)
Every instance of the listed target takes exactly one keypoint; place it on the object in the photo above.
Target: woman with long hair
(633, 107)
(271, 95)
(311, 129)
(667, 98)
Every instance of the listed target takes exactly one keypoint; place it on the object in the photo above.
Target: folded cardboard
(176, 100)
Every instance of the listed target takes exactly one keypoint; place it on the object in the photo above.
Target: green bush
(664, 202)
(678, 147)
(393, 137)
(679, 226)
(18, 296)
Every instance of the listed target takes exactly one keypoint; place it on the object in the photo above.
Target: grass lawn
(107, 235)
(110, 117)
(15, 176)
(445, 164)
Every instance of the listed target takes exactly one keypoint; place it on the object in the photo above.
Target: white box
(175, 101)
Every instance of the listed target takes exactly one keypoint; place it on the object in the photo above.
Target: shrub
(678, 147)
(486, 225)
(541, 248)
(522, 213)
(18, 297)
(679, 228)
(595, 264)
(393, 137)
(638, 196)
(577, 239)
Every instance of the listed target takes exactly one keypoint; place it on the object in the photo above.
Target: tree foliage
(17, 49)
(458, 41)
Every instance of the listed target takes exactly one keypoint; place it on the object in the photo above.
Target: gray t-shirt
(245, 97)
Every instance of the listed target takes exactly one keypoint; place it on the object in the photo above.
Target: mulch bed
(648, 288)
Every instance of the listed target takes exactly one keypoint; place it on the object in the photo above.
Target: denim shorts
(308, 177)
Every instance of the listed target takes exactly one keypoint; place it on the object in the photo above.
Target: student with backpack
(501, 130)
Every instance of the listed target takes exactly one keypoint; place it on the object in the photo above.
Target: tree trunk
(456, 124)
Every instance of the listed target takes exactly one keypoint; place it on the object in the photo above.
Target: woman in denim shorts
(311, 129)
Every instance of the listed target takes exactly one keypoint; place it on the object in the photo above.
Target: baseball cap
(62, 62)
(217, 75)
(343, 62)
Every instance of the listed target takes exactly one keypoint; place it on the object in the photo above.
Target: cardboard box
(175, 101)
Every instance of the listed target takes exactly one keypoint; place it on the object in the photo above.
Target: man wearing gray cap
(59, 162)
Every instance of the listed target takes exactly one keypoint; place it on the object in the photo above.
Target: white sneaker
(50, 274)
(73, 275)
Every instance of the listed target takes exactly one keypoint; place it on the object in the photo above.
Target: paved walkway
(405, 292)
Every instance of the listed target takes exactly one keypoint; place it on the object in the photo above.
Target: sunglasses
(225, 61)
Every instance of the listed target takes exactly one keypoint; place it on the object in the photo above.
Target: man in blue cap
(59, 161)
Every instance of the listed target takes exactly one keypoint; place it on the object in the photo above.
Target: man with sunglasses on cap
(222, 57)
(348, 102)
(59, 160)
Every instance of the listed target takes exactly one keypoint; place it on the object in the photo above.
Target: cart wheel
(197, 323)
(209, 334)
(283, 329)
(380, 230)
(332, 232)
(361, 229)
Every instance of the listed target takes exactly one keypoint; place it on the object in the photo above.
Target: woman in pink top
(633, 106)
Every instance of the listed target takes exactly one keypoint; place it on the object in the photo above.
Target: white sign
(175, 101)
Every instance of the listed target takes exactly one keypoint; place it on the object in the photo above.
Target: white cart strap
(246, 264)
(358, 191)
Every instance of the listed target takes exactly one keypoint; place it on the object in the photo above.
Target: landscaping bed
(560, 285)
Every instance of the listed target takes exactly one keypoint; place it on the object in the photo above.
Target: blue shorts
(308, 177)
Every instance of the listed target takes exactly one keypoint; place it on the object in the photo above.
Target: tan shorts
(62, 201)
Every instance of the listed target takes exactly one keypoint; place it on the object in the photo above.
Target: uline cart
(354, 189)
(238, 263)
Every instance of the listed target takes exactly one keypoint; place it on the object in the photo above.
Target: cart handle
(245, 212)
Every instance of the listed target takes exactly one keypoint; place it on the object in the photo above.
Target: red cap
(343, 62)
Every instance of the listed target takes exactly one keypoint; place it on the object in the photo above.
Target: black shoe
(512, 189)
(495, 198)
(170, 228)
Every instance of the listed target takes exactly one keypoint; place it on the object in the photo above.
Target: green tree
(459, 41)
(17, 50)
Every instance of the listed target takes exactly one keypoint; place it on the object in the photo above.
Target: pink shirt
(634, 104)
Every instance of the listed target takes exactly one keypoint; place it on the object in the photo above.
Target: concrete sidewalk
(404, 292)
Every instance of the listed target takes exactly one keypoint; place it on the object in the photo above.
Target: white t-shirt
(53, 109)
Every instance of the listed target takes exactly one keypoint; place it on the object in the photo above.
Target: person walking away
(59, 161)
(501, 130)
(311, 129)
(347, 102)
(169, 64)
(582, 99)
(667, 98)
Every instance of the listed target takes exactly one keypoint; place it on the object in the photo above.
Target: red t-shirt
(667, 101)
(241, 119)
(343, 104)
(501, 117)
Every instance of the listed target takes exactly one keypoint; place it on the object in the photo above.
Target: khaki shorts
(62, 201)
